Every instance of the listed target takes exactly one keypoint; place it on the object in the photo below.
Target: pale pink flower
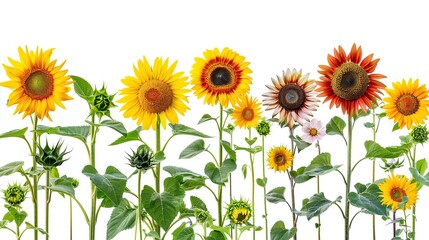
(313, 130)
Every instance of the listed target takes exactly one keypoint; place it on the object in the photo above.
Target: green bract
(49, 157)
(15, 194)
(101, 102)
(419, 134)
(263, 128)
(143, 158)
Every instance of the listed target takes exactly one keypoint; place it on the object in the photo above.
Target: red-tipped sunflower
(348, 81)
(292, 97)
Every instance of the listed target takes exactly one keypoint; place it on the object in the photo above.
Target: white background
(101, 40)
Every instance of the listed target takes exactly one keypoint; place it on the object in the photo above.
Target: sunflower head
(263, 128)
(15, 194)
(101, 102)
(247, 112)
(349, 82)
(239, 212)
(419, 134)
(49, 157)
(407, 103)
(221, 76)
(395, 189)
(143, 158)
(280, 158)
(154, 92)
(37, 83)
(291, 97)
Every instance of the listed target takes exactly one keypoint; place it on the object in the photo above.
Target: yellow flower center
(349, 81)
(155, 96)
(291, 97)
(313, 132)
(397, 193)
(247, 114)
(407, 104)
(38, 84)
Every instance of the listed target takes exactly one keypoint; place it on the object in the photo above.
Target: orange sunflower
(348, 81)
(292, 97)
(220, 77)
(38, 83)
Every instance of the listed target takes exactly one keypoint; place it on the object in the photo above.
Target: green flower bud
(263, 128)
(419, 134)
(101, 102)
(49, 157)
(230, 127)
(239, 212)
(143, 158)
(75, 182)
(15, 194)
(201, 215)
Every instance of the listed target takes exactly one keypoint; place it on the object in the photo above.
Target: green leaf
(360, 188)
(261, 182)
(253, 150)
(79, 132)
(123, 217)
(276, 195)
(222, 230)
(335, 126)
(244, 170)
(250, 141)
(279, 231)
(206, 117)
(62, 185)
(317, 204)
(216, 235)
(198, 203)
(11, 168)
(112, 183)
(369, 200)
(18, 215)
(419, 178)
(172, 185)
(360, 114)
(130, 136)
(231, 153)
(369, 125)
(395, 127)
(300, 176)
(163, 207)
(186, 234)
(320, 165)
(82, 88)
(178, 230)
(374, 150)
(179, 129)
(30, 226)
(193, 149)
(19, 133)
(115, 125)
(300, 144)
(220, 175)
(422, 166)
(189, 180)
(3, 224)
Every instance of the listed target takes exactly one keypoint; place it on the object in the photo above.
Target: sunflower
(395, 188)
(280, 158)
(38, 83)
(292, 97)
(154, 91)
(220, 77)
(407, 103)
(348, 81)
(247, 112)
(239, 211)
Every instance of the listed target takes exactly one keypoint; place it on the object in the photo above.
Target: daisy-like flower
(348, 81)
(407, 103)
(38, 84)
(239, 211)
(247, 112)
(154, 91)
(394, 188)
(292, 97)
(220, 77)
(280, 158)
(313, 130)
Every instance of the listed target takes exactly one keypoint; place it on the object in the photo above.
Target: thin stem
(168, 229)
(139, 208)
(394, 223)
(349, 173)
(214, 158)
(292, 186)
(252, 168)
(236, 231)
(17, 232)
(71, 218)
(230, 185)
(82, 210)
(29, 184)
(341, 210)
(406, 225)
(168, 140)
(93, 218)
(357, 163)
(413, 217)
(265, 188)
(374, 137)
(219, 198)
(318, 191)
(48, 200)
(35, 179)
(158, 166)
(214, 194)
(353, 218)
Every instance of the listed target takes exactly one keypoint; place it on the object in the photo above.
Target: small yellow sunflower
(239, 211)
(38, 84)
(394, 188)
(247, 112)
(220, 77)
(154, 91)
(280, 158)
(407, 103)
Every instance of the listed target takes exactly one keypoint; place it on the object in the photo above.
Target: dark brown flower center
(220, 76)
(247, 114)
(349, 81)
(407, 104)
(313, 132)
(279, 159)
(291, 97)
(397, 193)
(155, 96)
(38, 84)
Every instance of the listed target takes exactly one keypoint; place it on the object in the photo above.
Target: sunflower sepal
(101, 102)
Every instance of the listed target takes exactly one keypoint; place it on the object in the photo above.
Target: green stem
(93, 217)
(374, 137)
(292, 186)
(48, 200)
(17, 232)
(35, 179)
(413, 217)
(139, 208)
(406, 225)
(158, 166)
(394, 223)
(236, 231)
(230, 183)
(71, 218)
(219, 198)
(349, 163)
(252, 168)
(318, 191)
(85, 215)
(265, 188)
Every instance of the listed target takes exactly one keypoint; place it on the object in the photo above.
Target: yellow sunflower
(239, 211)
(38, 84)
(407, 103)
(154, 91)
(220, 77)
(247, 112)
(394, 188)
(280, 158)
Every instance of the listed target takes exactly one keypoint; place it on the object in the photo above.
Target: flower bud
(101, 102)
(419, 134)
(143, 158)
(263, 128)
(49, 157)
(239, 212)
(15, 194)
